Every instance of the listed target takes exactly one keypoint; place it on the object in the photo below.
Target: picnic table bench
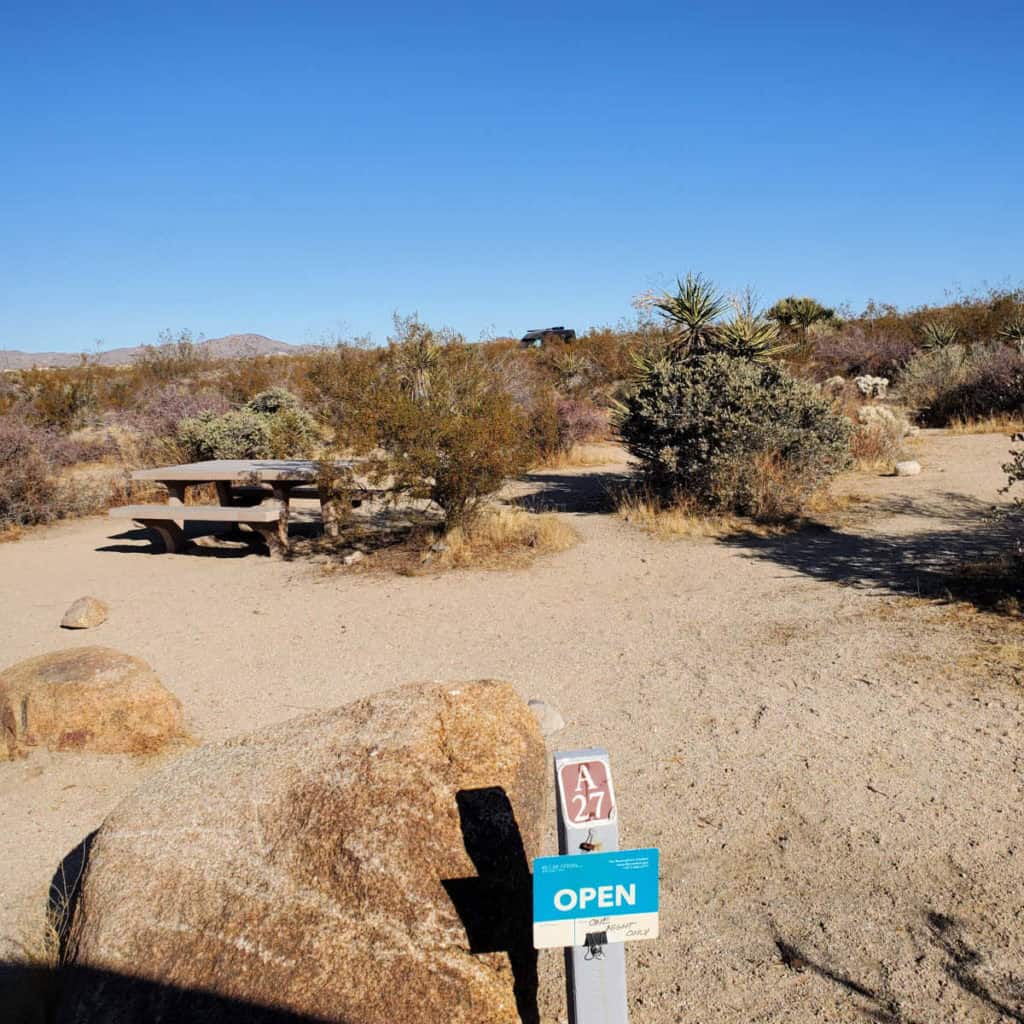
(256, 492)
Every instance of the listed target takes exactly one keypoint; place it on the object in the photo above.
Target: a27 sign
(586, 791)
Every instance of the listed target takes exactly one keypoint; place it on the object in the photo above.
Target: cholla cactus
(872, 387)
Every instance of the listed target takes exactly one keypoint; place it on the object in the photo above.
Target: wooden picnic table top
(265, 470)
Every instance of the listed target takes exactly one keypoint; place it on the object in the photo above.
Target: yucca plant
(694, 311)
(938, 334)
(750, 335)
(1013, 334)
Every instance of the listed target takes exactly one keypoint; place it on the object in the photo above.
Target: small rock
(439, 547)
(352, 557)
(909, 468)
(85, 613)
(549, 718)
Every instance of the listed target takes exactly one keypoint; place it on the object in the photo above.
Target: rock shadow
(496, 907)
(32, 994)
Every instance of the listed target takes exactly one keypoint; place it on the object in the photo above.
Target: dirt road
(832, 769)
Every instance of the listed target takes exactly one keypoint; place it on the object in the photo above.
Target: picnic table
(257, 492)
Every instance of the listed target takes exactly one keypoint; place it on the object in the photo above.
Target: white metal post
(596, 971)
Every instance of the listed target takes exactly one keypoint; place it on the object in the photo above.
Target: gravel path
(831, 771)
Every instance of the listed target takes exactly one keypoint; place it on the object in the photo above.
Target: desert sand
(831, 765)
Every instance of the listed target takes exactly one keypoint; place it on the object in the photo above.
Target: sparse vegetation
(499, 538)
(730, 434)
(446, 422)
(272, 425)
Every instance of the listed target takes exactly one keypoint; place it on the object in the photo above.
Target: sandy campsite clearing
(831, 766)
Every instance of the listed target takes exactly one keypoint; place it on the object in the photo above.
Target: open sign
(586, 792)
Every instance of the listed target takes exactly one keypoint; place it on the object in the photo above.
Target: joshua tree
(796, 315)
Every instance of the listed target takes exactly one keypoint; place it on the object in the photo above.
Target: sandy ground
(831, 767)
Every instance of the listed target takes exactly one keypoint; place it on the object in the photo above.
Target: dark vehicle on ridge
(547, 335)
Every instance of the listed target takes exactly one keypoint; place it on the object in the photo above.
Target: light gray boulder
(85, 613)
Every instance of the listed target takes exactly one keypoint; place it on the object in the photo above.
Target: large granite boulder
(91, 699)
(366, 864)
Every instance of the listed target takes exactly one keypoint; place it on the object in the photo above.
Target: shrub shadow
(591, 493)
(963, 963)
(963, 553)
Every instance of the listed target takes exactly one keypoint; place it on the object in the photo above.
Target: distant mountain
(231, 346)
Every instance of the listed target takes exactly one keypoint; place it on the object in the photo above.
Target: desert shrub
(241, 434)
(173, 357)
(272, 425)
(543, 427)
(731, 434)
(878, 437)
(1014, 470)
(579, 421)
(952, 383)
(64, 398)
(437, 421)
(337, 383)
(160, 410)
(28, 485)
(272, 400)
(33, 488)
(292, 433)
(247, 376)
(557, 425)
(451, 434)
(855, 351)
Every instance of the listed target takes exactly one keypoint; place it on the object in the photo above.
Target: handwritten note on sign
(587, 797)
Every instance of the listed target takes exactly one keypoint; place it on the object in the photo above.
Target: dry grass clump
(997, 423)
(500, 538)
(583, 455)
(682, 519)
(687, 518)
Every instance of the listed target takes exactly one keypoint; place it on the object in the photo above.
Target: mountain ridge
(230, 346)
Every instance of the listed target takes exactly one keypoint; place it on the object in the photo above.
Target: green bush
(272, 425)
(292, 434)
(241, 434)
(272, 400)
(434, 417)
(731, 434)
(449, 431)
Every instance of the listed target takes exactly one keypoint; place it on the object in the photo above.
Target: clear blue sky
(298, 169)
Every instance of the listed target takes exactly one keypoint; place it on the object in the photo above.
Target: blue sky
(301, 170)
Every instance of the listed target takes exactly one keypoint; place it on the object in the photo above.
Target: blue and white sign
(581, 895)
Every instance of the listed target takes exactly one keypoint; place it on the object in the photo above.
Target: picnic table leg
(176, 496)
(224, 495)
(282, 493)
(271, 535)
(171, 535)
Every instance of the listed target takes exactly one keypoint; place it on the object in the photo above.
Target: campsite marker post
(593, 897)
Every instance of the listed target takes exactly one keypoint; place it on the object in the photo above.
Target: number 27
(584, 801)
